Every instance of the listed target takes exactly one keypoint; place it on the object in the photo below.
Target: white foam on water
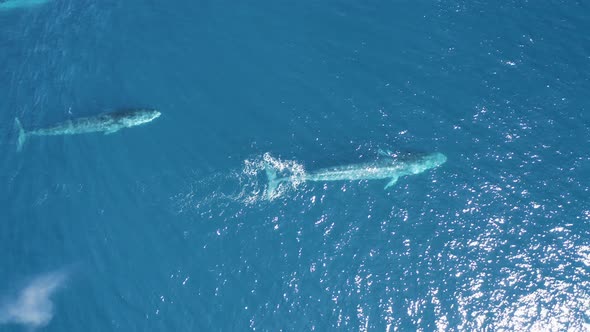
(247, 186)
(254, 172)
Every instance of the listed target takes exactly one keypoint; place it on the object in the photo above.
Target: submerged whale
(14, 4)
(388, 167)
(106, 123)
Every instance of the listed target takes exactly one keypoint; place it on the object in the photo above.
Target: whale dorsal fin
(392, 182)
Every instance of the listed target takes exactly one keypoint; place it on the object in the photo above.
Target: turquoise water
(165, 227)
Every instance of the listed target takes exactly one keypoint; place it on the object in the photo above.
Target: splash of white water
(247, 186)
(256, 187)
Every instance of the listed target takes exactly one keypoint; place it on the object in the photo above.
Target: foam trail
(33, 306)
(247, 186)
(254, 178)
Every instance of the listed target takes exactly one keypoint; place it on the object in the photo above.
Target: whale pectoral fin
(110, 131)
(392, 182)
(385, 153)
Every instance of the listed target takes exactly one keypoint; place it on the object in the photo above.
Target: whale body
(15, 4)
(388, 167)
(106, 123)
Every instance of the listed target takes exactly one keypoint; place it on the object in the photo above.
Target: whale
(107, 123)
(389, 167)
(15, 4)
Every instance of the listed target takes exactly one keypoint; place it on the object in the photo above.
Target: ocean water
(166, 226)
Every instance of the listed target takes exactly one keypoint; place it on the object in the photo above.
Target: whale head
(135, 117)
(426, 162)
(436, 159)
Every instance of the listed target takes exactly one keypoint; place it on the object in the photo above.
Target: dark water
(164, 227)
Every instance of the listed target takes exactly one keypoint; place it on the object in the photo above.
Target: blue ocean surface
(167, 226)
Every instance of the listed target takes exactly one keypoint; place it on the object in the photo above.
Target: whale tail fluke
(22, 135)
(273, 182)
